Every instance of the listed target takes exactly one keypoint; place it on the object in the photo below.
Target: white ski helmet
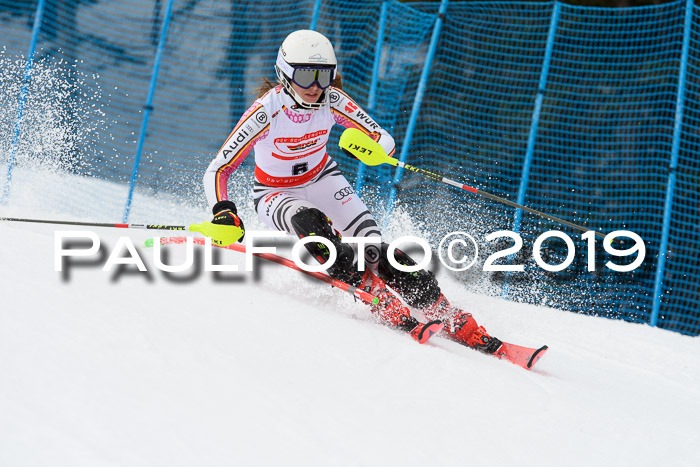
(306, 58)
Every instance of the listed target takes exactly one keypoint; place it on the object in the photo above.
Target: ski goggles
(305, 77)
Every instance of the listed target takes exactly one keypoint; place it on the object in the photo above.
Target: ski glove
(226, 227)
(225, 213)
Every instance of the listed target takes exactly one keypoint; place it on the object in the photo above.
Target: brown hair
(266, 84)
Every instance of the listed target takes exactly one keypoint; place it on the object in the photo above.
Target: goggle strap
(282, 64)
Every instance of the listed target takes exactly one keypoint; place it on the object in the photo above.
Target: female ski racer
(299, 188)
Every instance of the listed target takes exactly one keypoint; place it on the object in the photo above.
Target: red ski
(424, 331)
(521, 356)
(421, 333)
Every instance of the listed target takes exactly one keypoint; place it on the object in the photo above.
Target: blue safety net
(588, 114)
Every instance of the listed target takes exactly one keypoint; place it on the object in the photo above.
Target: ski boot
(391, 311)
(312, 222)
(461, 326)
(419, 288)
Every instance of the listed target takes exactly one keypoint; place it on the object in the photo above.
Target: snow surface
(272, 368)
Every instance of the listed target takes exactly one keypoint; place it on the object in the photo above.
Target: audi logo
(347, 191)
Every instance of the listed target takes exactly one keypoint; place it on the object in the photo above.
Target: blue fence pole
(22, 99)
(416, 109)
(314, 16)
(371, 100)
(532, 137)
(148, 108)
(675, 150)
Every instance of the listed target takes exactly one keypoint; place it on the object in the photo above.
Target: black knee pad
(419, 288)
(310, 222)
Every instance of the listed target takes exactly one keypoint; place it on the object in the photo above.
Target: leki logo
(357, 147)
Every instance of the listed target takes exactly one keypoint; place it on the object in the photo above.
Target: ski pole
(357, 144)
(97, 224)
(364, 296)
(223, 234)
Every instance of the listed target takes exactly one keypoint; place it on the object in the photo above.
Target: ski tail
(421, 332)
(424, 331)
(362, 295)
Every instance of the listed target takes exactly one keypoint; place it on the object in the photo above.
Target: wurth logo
(367, 121)
(272, 195)
(350, 107)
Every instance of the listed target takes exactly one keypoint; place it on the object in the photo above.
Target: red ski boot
(391, 310)
(462, 327)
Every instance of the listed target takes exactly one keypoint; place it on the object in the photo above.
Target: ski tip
(536, 356)
(427, 330)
